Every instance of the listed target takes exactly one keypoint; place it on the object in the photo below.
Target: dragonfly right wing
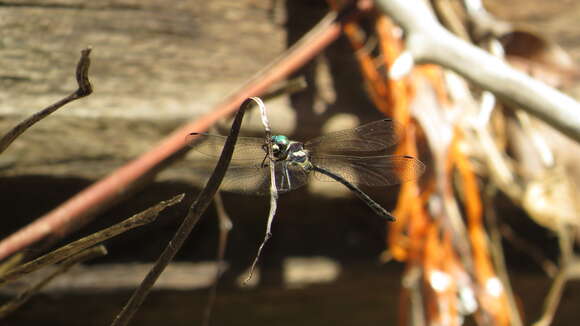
(247, 149)
(375, 171)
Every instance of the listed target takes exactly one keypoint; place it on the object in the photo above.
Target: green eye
(280, 140)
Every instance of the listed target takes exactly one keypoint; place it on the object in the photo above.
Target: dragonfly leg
(285, 182)
(265, 148)
(287, 174)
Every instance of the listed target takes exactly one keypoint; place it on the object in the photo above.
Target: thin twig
(147, 216)
(555, 294)
(273, 189)
(85, 88)
(498, 256)
(81, 208)
(553, 299)
(533, 251)
(85, 255)
(225, 226)
(289, 87)
(193, 215)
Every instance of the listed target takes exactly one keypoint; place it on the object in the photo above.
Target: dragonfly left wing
(371, 137)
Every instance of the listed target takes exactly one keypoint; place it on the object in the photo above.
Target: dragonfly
(352, 157)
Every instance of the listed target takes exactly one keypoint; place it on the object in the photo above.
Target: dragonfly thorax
(301, 158)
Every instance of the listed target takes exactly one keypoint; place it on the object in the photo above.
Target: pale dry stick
(189, 222)
(147, 216)
(499, 168)
(538, 142)
(85, 88)
(428, 42)
(412, 282)
(573, 271)
(225, 226)
(553, 299)
(21, 299)
(84, 206)
(273, 189)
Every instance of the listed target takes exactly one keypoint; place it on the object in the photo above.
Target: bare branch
(85, 88)
(428, 41)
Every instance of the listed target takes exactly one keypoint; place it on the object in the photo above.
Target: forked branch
(429, 42)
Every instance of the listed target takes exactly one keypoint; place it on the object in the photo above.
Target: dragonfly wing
(245, 179)
(289, 177)
(371, 137)
(255, 179)
(373, 171)
(248, 149)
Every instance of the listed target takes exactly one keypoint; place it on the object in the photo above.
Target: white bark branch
(429, 42)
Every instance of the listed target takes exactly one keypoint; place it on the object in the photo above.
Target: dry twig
(225, 226)
(147, 216)
(85, 89)
(63, 268)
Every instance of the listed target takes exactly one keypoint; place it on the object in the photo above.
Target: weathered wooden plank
(154, 65)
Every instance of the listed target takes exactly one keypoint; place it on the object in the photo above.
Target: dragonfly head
(280, 145)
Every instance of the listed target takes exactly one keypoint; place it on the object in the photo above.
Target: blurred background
(158, 64)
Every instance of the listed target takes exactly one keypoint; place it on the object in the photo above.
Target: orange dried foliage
(438, 253)
(375, 82)
(400, 91)
(496, 304)
(415, 237)
(430, 262)
(453, 268)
